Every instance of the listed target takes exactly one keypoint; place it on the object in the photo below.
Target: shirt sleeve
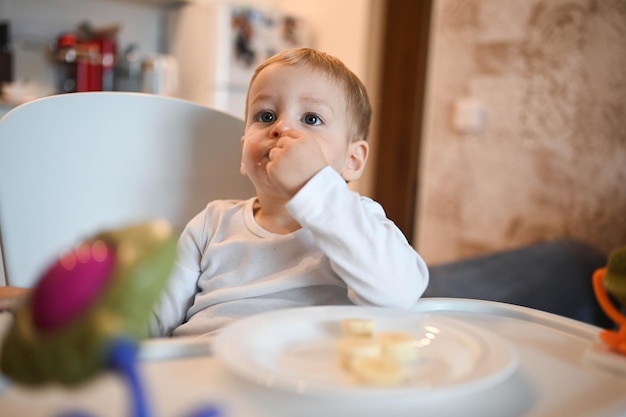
(172, 308)
(366, 249)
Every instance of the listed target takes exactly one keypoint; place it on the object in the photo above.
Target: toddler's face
(294, 97)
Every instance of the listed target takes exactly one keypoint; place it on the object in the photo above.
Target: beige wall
(551, 160)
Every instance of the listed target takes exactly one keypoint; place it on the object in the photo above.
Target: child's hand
(11, 297)
(294, 160)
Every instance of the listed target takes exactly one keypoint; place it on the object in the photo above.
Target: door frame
(402, 89)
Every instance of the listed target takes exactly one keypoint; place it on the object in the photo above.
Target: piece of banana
(398, 346)
(350, 348)
(358, 327)
(375, 358)
(381, 371)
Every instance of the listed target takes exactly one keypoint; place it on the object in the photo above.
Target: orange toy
(612, 280)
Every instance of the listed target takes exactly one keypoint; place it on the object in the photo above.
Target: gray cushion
(553, 277)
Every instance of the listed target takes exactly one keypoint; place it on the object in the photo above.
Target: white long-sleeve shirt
(347, 252)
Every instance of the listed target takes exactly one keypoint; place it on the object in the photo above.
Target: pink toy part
(72, 284)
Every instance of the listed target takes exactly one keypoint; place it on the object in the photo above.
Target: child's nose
(279, 128)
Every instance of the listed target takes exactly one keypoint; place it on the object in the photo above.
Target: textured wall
(551, 159)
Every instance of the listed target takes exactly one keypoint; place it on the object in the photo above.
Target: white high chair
(72, 165)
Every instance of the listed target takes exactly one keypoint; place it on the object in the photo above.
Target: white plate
(294, 350)
(599, 355)
(173, 348)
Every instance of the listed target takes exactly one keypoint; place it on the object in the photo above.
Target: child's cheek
(254, 155)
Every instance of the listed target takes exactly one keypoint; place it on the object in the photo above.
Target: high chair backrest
(72, 165)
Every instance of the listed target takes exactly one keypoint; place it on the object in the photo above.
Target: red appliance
(85, 64)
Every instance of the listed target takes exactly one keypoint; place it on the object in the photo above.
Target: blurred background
(498, 123)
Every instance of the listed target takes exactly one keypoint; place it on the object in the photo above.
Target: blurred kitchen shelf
(155, 2)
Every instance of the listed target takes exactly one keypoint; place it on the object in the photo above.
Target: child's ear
(358, 152)
(242, 167)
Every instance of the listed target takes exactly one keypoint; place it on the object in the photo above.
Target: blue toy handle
(123, 359)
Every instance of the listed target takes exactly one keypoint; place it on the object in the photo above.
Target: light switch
(469, 116)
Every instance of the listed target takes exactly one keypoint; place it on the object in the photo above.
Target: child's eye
(265, 117)
(312, 119)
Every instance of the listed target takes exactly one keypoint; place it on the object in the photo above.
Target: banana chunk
(350, 348)
(382, 358)
(398, 346)
(358, 327)
(380, 371)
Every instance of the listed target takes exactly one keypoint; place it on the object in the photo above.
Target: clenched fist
(295, 158)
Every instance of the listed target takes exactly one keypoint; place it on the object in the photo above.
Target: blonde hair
(358, 105)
